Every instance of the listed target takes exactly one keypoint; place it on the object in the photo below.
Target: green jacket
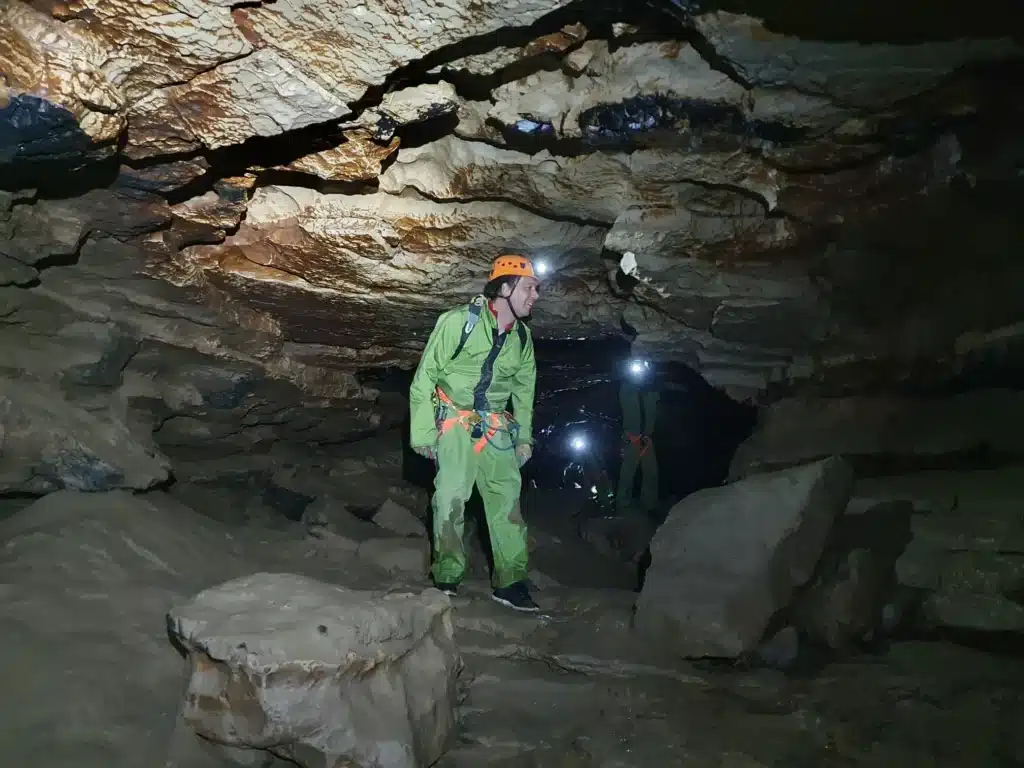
(514, 373)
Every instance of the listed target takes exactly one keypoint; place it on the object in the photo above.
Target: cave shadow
(44, 148)
(697, 431)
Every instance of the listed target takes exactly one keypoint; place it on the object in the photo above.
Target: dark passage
(698, 427)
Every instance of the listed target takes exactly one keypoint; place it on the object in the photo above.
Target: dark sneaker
(515, 596)
(452, 590)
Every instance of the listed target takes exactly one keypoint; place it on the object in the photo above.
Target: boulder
(48, 443)
(319, 674)
(727, 559)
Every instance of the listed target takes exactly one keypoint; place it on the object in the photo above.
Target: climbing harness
(639, 440)
(475, 308)
(483, 426)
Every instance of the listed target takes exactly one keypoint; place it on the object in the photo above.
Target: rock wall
(886, 433)
(951, 466)
(967, 550)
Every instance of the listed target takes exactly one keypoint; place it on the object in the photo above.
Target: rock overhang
(726, 154)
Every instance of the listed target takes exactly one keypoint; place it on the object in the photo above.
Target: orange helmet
(512, 266)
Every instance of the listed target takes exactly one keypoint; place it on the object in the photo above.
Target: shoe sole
(507, 604)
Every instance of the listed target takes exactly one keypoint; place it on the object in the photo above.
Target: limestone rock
(155, 129)
(403, 556)
(843, 605)
(157, 49)
(962, 530)
(40, 230)
(592, 186)
(794, 431)
(342, 44)
(724, 364)
(160, 311)
(310, 62)
(489, 62)
(56, 90)
(967, 545)
(727, 559)
(409, 105)
(848, 608)
(327, 515)
(972, 611)
(979, 493)
(700, 222)
(165, 177)
(860, 76)
(249, 97)
(359, 158)
(14, 272)
(572, 106)
(987, 573)
(51, 444)
(34, 231)
(95, 575)
(920, 565)
(221, 208)
(320, 674)
(376, 255)
(397, 519)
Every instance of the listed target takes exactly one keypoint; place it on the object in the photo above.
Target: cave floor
(574, 687)
(85, 582)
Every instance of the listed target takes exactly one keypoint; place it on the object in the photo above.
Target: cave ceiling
(307, 183)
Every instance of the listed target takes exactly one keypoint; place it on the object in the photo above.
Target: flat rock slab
(319, 674)
(726, 559)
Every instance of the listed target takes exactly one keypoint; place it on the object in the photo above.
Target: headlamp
(639, 368)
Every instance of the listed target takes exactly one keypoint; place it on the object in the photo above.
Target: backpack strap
(472, 316)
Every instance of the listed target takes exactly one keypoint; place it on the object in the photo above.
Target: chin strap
(508, 300)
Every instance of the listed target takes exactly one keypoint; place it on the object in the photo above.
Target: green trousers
(648, 466)
(496, 474)
(639, 414)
